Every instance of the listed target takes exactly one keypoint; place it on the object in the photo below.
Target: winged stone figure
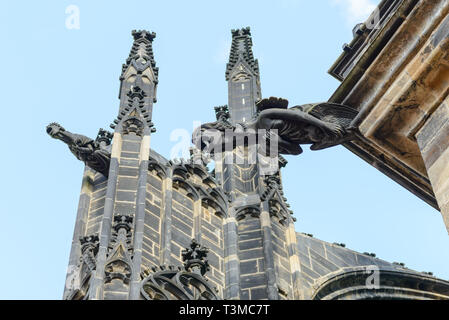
(322, 125)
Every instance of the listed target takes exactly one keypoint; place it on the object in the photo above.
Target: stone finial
(89, 249)
(89, 240)
(195, 258)
(241, 49)
(241, 32)
(122, 222)
(222, 113)
(104, 138)
(143, 34)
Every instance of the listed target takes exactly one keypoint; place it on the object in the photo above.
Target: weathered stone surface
(248, 267)
(126, 196)
(143, 215)
(397, 82)
(254, 280)
(127, 183)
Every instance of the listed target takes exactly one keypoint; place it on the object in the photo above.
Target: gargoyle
(211, 134)
(322, 125)
(85, 149)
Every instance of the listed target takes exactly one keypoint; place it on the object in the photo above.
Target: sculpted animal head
(204, 136)
(54, 130)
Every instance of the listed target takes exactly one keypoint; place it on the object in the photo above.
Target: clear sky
(51, 73)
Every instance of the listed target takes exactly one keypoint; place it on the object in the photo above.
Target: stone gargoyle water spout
(321, 125)
(92, 152)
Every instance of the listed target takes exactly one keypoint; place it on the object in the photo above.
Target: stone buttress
(133, 226)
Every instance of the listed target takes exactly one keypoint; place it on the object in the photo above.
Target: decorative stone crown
(195, 258)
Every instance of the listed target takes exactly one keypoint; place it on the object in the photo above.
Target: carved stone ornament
(252, 210)
(278, 205)
(195, 258)
(89, 249)
(211, 134)
(133, 125)
(104, 138)
(180, 283)
(85, 149)
(119, 262)
(222, 113)
(82, 274)
(322, 125)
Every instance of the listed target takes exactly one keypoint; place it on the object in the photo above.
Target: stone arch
(252, 210)
(181, 171)
(350, 284)
(187, 186)
(159, 169)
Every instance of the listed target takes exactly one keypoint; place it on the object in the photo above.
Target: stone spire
(241, 50)
(242, 74)
(138, 81)
(141, 51)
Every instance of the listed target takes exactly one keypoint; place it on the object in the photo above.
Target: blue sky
(51, 73)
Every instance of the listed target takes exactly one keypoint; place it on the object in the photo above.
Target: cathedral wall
(253, 281)
(96, 206)
(281, 259)
(152, 228)
(182, 224)
(191, 213)
(245, 174)
(212, 237)
(137, 223)
(125, 198)
(81, 223)
(118, 264)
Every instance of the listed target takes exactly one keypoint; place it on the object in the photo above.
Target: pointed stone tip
(143, 34)
(241, 32)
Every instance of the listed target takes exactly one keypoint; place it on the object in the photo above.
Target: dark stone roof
(320, 260)
(157, 157)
